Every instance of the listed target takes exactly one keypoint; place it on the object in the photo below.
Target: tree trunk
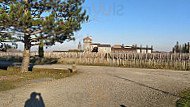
(26, 60)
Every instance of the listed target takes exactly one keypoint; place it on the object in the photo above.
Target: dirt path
(105, 87)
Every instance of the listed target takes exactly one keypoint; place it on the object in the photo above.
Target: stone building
(95, 47)
(104, 48)
(123, 50)
(132, 49)
(79, 46)
(87, 44)
(117, 46)
(144, 50)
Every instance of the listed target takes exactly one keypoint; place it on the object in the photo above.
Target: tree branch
(35, 44)
(37, 32)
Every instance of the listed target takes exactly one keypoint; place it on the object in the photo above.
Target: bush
(40, 60)
(41, 49)
(33, 59)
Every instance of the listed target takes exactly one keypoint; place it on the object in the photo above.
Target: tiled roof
(117, 46)
(104, 45)
(89, 38)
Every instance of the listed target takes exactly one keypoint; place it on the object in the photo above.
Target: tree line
(181, 48)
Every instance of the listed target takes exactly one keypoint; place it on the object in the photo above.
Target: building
(117, 46)
(104, 48)
(87, 44)
(123, 50)
(79, 46)
(131, 49)
(95, 47)
(144, 50)
(127, 47)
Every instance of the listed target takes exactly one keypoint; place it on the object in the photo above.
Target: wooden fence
(154, 60)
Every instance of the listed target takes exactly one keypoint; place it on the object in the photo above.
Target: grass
(185, 99)
(13, 78)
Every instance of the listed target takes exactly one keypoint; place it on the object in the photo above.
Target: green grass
(13, 78)
(184, 101)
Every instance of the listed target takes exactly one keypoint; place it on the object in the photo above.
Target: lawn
(184, 101)
(13, 78)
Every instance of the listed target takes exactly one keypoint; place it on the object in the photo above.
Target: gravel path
(105, 87)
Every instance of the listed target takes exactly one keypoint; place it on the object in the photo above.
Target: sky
(160, 23)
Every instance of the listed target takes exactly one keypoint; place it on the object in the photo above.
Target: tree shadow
(5, 64)
(35, 100)
(2, 67)
(156, 89)
(144, 85)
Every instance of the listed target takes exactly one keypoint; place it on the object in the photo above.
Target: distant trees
(41, 49)
(8, 45)
(184, 48)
